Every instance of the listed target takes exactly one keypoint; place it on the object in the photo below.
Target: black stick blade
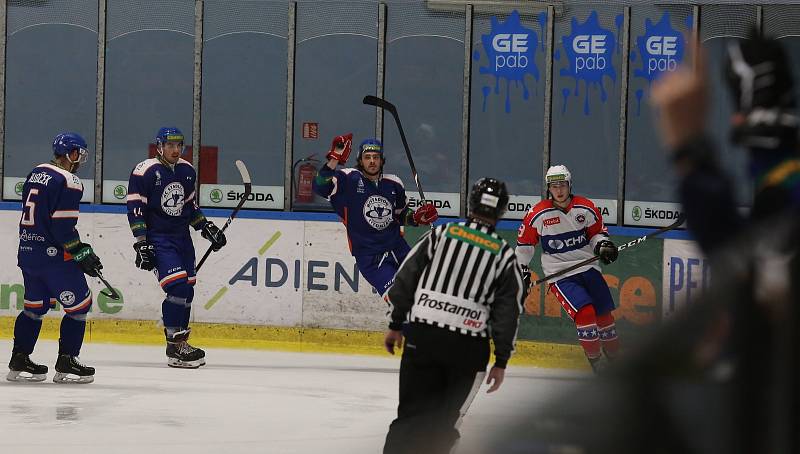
(378, 102)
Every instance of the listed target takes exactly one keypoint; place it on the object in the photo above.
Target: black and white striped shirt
(463, 277)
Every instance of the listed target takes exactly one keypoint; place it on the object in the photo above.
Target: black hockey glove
(145, 255)
(213, 234)
(89, 262)
(607, 251)
(526, 277)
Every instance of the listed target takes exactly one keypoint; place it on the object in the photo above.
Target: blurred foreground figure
(723, 375)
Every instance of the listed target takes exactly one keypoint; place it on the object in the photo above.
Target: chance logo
(378, 212)
(510, 49)
(589, 50)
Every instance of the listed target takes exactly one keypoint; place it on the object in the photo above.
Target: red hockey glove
(425, 214)
(340, 148)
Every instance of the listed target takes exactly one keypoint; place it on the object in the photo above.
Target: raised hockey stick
(109, 291)
(248, 188)
(678, 222)
(386, 105)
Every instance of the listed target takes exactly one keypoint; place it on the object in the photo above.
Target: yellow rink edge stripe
(320, 340)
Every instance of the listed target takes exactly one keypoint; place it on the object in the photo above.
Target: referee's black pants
(440, 373)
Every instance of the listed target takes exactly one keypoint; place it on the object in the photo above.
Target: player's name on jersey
(12, 186)
(40, 177)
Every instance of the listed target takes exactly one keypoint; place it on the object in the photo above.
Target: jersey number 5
(28, 210)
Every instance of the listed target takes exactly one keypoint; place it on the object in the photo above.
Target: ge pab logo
(662, 51)
(590, 52)
(510, 50)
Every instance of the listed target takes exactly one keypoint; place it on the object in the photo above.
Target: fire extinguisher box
(305, 176)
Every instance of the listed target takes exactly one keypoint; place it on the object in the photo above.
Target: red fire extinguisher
(304, 176)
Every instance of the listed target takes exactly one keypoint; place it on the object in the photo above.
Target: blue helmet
(372, 145)
(65, 142)
(168, 134)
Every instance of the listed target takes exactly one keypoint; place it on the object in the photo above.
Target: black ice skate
(599, 367)
(181, 354)
(22, 369)
(70, 370)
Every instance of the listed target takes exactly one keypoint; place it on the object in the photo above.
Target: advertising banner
(335, 295)
(301, 273)
(686, 274)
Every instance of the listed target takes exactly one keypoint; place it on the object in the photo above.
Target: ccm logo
(552, 221)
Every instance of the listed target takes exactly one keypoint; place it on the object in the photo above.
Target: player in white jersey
(570, 229)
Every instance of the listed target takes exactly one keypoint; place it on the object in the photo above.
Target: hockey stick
(248, 188)
(386, 105)
(621, 247)
(109, 291)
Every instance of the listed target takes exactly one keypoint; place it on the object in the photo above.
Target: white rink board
(275, 273)
(257, 269)
(328, 298)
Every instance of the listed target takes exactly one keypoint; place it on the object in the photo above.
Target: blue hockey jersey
(50, 204)
(372, 212)
(162, 200)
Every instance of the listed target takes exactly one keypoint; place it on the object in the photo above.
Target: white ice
(249, 401)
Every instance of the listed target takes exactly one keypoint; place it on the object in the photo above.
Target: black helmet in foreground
(488, 199)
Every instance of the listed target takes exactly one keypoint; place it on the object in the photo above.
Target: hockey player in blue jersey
(162, 204)
(53, 261)
(373, 206)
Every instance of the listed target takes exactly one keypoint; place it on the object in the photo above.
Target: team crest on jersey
(378, 212)
(580, 218)
(172, 199)
(67, 298)
(51, 251)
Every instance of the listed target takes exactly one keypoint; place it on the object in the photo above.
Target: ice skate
(22, 369)
(182, 355)
(70, 370)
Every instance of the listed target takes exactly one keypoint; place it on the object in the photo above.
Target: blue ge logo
(661, 49)
(510, 49)
(589, 51)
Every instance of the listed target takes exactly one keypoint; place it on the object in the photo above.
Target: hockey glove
(145, 255)
(85, 257)
(340, 148)
(526, 277)
(213, 234)
(425, 214)
(607, 251)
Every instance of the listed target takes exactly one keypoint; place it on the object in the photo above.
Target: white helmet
(558, 173)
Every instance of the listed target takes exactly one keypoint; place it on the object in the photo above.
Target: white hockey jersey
(566, 237)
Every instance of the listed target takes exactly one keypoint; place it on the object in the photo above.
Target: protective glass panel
(51, 85)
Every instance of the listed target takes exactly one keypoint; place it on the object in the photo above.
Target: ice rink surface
(242, 401)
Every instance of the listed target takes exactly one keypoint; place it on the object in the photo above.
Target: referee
(459, 285)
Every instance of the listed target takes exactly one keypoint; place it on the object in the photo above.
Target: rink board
(295, 276)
